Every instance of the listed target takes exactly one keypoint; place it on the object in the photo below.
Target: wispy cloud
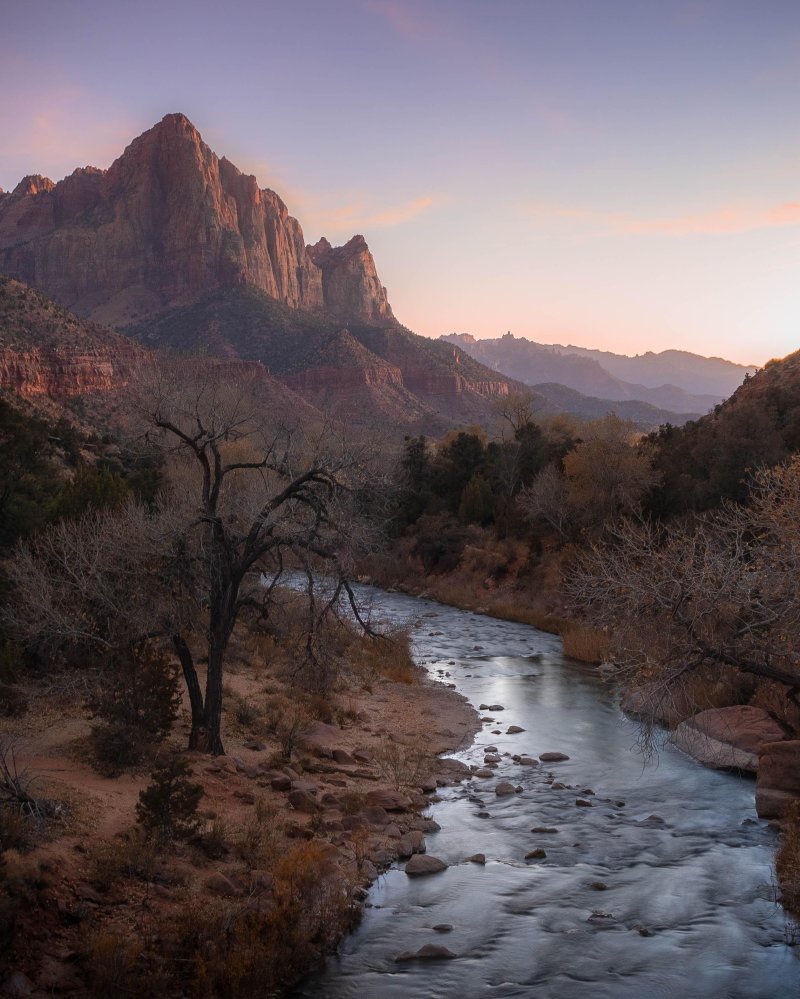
(359, 216)
(725, 219)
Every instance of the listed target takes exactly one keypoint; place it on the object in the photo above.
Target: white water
(700, 881)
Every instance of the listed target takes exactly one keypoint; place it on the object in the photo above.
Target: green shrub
(167, 807)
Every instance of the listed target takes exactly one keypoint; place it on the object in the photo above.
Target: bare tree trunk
(213, 712)
(197, 738)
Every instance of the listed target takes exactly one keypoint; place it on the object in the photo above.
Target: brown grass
(587, 645)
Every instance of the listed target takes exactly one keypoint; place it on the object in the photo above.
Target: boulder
(505, 788)
(514, 729)
(429, 952)
(321, 739)
(404, 847)
(392, 801)
(778, 780)
(727, 738)
(376, 815)
(672, 707)
(553, 757)
(343, 757)
(417, 838)
(302, 801)
(422, 863)
(477, 858)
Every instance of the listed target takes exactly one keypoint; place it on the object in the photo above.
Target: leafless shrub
(258, 839)
(400, 765)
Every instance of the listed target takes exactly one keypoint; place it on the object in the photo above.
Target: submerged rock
(430, 952)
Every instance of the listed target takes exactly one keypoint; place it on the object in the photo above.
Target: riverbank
(92, 909)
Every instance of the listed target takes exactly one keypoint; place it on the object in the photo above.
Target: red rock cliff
(169, 221)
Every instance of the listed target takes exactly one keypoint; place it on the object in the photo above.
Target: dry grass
(587, 645)
(133, 855)
(258, 840)
(387, 656)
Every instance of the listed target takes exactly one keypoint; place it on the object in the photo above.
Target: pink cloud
(726, 219)
(358, 216)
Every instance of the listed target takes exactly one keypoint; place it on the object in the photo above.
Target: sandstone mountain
(167, 221)
(179, 249)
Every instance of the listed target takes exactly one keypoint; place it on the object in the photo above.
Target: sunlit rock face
(350, 283)
(169, 221)
(61, 373)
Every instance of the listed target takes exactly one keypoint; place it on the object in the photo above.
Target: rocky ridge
(167, 221)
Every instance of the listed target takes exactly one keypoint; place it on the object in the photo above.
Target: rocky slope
(168, 221)
(373, 373)
(46, 351)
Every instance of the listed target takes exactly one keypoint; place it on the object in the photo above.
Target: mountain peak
(167, 222)
(33, 184)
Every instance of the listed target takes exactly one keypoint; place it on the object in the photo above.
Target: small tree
(167, 807)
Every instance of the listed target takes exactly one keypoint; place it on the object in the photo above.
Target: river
(662, 888)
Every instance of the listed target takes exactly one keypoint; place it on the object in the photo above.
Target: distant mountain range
(673, 380)
(176, 248)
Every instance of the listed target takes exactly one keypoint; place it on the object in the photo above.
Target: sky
(622, 174)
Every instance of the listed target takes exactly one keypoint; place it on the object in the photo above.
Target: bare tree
(685, 600)
(243, 504)
(546, 499)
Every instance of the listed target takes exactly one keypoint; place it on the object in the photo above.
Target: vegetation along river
(688, 904)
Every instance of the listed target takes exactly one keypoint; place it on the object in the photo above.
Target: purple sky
(613, 173)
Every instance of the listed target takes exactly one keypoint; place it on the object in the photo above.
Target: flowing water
(688, 907)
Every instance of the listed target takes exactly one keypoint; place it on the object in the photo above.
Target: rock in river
(424, 864)
(728, 738)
